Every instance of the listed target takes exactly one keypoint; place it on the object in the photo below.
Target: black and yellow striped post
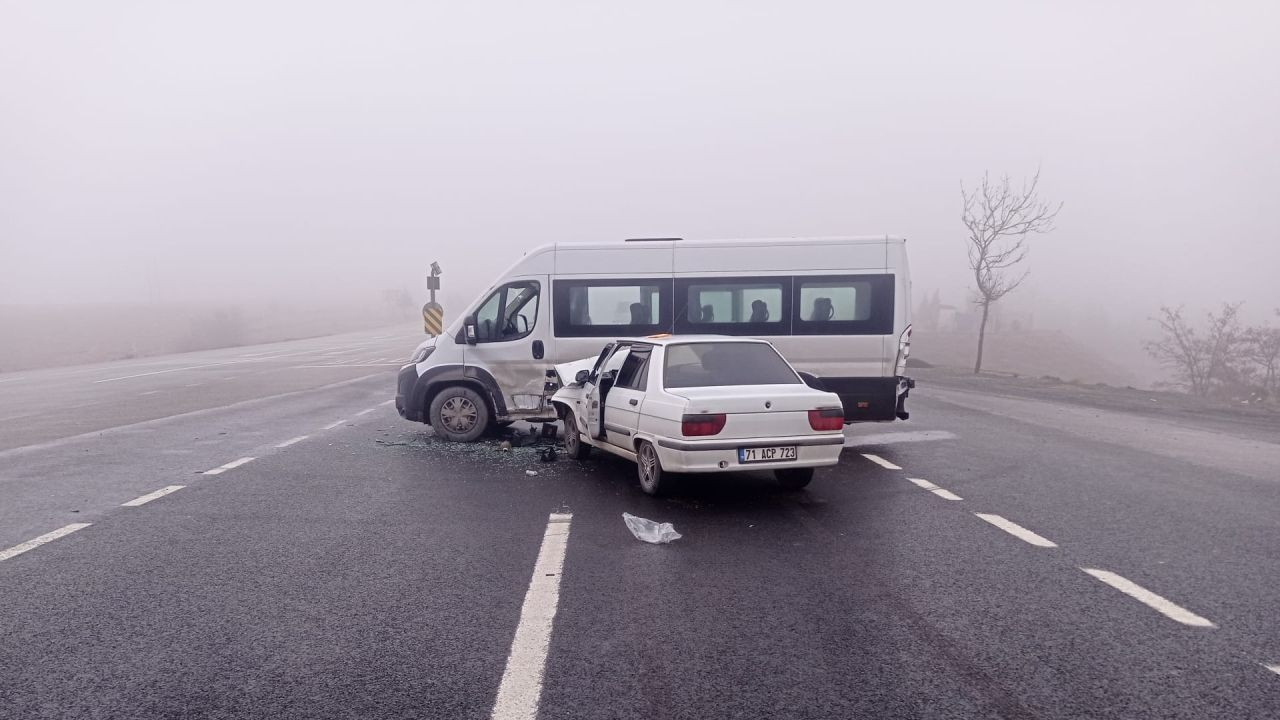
(433, 318)
(432, 313)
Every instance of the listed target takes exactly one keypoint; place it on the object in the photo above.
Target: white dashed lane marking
(332, 425)
(1017, 530)
(48, 537)
(292, 441)
(940, 492)
(1273, 668)
(365, 412)
(387, 402)
(521, 689)
(1150, 599)
(229, 466)
(152, 496)
(880, 461)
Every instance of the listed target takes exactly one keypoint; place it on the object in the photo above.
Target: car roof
(664, 340)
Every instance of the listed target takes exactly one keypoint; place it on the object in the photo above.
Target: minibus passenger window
(843, 305)
(841, 301)
(734, 301)
(596, 308)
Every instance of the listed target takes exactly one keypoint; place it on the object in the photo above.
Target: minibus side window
(843, 305)
(734, 306)
(510, 313)
(611, 307)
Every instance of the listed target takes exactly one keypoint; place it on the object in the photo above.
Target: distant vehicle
(838, 308)
(699, 405)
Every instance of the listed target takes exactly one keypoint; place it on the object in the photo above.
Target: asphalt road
(350, 566)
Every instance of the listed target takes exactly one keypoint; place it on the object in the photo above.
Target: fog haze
(183, 152)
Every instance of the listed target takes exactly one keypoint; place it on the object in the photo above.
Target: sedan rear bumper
(696, 456)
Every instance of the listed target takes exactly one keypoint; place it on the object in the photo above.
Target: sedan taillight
(703, 424)
(826, 419)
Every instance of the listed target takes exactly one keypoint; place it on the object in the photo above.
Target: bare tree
(1262, 347)
(999, 217)
(1199, 361)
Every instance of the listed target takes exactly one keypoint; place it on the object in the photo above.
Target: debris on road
(650, 531)
(531, 473)
(548, 455)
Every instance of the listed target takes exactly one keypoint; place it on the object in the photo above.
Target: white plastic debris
(530, 473)
(650, 531)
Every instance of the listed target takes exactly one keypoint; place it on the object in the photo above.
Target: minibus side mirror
(470, 329)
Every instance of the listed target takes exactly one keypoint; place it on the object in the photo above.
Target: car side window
(635, 370)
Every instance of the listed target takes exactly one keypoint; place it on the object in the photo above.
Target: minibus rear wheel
(459, 414)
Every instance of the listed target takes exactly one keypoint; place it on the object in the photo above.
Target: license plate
(766, 454)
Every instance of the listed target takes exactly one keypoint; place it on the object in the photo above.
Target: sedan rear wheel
(649, 468)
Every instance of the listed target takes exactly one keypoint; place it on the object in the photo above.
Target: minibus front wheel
(459, 414)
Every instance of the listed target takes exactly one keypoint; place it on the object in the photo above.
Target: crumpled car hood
(568, 371)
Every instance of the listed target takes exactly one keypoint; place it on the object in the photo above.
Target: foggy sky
(225, 150)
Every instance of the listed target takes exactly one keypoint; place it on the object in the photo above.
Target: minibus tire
(452, 408)
(653, 479)
(573, 445)
(793, 478)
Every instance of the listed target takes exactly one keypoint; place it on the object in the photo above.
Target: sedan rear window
(726, 363)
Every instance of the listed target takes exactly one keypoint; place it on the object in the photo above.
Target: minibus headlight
(421, 354)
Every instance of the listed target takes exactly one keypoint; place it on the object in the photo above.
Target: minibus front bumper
(405, 384)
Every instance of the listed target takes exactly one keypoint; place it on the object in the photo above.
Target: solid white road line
(1017, 530)
(898, 437)
(152, 496)
(365, 412)
(158, 372)
(332, 425)
(521, 688)
(940, 492)
(292, 441)
(387, 402)
(34, 543)
(1273, 668)
(880, 461)
(1150, 599)
(229, 466)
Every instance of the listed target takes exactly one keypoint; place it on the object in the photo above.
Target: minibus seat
(759, 311)
(823, 310)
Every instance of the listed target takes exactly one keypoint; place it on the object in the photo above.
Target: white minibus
(838, 308)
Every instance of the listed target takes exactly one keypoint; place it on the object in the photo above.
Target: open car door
(600, 385)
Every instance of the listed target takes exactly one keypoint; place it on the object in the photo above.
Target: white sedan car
(696, 404)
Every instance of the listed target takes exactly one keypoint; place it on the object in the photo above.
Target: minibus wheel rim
(459, 414)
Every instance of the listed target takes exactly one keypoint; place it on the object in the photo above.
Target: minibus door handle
(537, 350)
